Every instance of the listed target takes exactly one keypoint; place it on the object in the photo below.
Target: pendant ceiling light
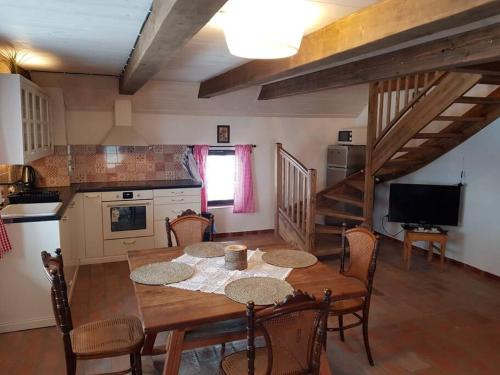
(264, 29)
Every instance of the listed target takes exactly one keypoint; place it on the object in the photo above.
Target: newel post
(311, 210)
(278, 183)
(371, 134)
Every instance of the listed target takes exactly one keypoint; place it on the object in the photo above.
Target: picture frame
(223, 134)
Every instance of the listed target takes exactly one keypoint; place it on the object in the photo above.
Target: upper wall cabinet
(25, 126)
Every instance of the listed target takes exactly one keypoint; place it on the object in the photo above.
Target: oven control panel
(110, 196)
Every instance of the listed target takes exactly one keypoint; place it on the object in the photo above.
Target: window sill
(217, 207)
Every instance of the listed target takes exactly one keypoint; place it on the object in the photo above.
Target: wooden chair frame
(54, 270)
(365, 308)
(185, 216)
(298, 301)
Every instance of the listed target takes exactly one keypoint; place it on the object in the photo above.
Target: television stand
(429, 235)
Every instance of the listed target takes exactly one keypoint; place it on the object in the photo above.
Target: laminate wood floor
(423, 321)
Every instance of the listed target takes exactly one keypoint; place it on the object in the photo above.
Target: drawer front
(173, 210)
(177, 192)
(178, 200)
(121, 246)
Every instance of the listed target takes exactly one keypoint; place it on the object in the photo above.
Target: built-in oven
(127, 214)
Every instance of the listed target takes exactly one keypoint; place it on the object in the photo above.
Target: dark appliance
(34, 196)
(426, 205)
(28, 177)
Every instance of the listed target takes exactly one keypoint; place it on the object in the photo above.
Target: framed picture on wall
(223, 134)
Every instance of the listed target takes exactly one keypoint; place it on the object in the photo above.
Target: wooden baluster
(292, 194)
(398, 94)
(407, 89)
(283, 164)
(426, 79)
(389, 103)
(380, 108)
(304, 201)
(279, 186)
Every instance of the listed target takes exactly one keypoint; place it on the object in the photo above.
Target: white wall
(476, 241)
(306, 138)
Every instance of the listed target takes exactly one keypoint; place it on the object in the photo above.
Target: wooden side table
(431, 237)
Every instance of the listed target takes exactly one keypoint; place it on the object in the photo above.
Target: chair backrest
(363, 250)
(54, 269)
(294, 331)
(188, 228)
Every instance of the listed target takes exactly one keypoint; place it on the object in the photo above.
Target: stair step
(356, 184)
(477, 100)
(436, 135)
(328, 229)
(339, 214)
(458, 118)
(419, 148)
(338, 196)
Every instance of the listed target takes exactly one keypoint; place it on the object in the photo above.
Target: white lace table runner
(210, 276)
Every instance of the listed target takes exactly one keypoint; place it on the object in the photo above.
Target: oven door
(125, 219)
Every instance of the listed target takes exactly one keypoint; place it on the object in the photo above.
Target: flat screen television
(426, 205)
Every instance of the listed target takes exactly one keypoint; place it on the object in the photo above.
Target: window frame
(225, 202)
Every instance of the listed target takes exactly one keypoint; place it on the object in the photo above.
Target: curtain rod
(220, 146)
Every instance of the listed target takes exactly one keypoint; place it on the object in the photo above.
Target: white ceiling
(96, 36)
(84, 36)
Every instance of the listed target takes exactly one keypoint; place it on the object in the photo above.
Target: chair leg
(138, 363)
(366, 340)
(222, 349)
(70, 366)
(341, 327)
(132, 364)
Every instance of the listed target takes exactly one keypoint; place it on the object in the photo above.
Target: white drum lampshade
(264, 29)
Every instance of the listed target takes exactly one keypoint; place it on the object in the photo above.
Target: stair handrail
(295, 200)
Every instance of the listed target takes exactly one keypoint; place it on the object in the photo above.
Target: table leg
(174, 353)
(431, 251)
(149, 343)
(442, 250)
(324, 366)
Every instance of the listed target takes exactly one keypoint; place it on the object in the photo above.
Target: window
(220, 178)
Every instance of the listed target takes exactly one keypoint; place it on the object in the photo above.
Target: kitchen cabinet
(25, 120)
(92, 220)
(171, 203)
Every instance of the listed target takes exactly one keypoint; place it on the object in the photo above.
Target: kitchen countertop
(66, 193)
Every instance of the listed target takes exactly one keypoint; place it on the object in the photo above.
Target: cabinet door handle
(64, 218)
(178, 192)
(129, 242)
(178, 200)
(92, 196)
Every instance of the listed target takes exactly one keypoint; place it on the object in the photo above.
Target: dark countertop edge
(67, 193)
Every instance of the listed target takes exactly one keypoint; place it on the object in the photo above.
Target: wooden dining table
(164, 308)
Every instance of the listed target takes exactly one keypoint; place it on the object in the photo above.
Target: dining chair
(294, 334)
(188, 228)
(99, 339)
(363, 251)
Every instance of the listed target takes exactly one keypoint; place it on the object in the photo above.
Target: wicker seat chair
(100, 339)
(363, 251)
(294, 334)
(188, 228)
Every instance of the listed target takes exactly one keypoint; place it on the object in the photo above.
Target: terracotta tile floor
(422, 322)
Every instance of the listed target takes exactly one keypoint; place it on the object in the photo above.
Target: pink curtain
(200, 153)
(243, 190)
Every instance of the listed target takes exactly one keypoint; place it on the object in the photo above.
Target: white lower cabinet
(93, 225)
(171, 203)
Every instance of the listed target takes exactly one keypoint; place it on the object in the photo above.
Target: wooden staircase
(412, 121)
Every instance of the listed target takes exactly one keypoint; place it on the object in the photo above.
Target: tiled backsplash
(91, 163)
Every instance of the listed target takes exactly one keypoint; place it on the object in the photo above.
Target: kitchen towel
(5, 245)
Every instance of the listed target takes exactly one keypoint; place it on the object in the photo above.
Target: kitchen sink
(30, 210)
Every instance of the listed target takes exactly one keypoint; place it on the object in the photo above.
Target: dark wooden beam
(444, 54)
(171, 24)
(372, 29)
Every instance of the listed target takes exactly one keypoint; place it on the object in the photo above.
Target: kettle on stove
(28, 177)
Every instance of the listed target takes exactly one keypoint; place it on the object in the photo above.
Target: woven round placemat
(260, 290)
(289, 258)
(162, 273)
(205, 250)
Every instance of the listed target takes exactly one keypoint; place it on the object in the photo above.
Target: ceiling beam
(473, 47)
(170, 25)
(372, 29)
